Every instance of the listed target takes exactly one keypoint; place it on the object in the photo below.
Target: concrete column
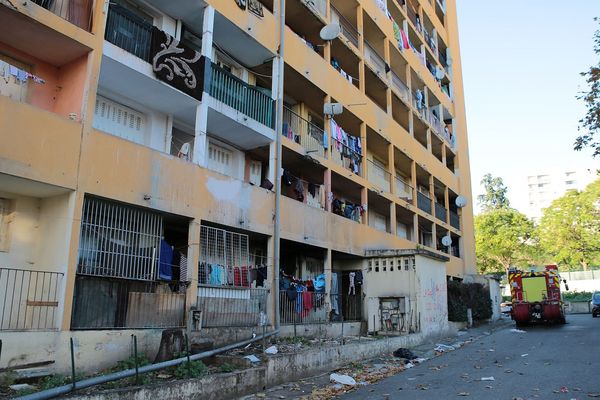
(392, 168)
(327, 182)
(208, 23)
(364, 200)
(447, 204)
(361, 47)
(364, 144)
(393, 221)
(327, 270)
(327, 129)
(200, 133)
(193, 257)
(76, 208)
(413, 181)
(271, 282)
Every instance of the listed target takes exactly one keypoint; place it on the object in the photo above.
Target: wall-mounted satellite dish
(330, 32)
(331, 109)
(460, 201)
(447, 241)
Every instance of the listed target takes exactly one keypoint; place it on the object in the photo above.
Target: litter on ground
(343, 379)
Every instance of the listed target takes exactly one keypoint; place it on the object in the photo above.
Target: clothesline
(7, 70)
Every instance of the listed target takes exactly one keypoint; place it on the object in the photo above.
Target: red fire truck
(536, 296)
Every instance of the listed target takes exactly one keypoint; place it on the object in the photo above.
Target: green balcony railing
(237, 94)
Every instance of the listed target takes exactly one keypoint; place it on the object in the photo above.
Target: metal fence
(308, 134)
(423, 202)
(375, 59)
(403, 189)
(580, 275)
(29, 299)
(440, 212)
(302, 308)
(400, 87)
(102, 303)
(232, 307)
(77, 12)
(128, 31)
(350, 306)
(348, 30)
(237, 94)
(379, 176)
(454, 220)
(119, 241)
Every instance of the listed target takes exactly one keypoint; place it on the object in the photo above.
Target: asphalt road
(544, 362)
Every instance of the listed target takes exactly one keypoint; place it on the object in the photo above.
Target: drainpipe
(278, 130)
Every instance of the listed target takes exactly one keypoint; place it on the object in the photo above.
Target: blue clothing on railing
(164, 261)
(319, 283)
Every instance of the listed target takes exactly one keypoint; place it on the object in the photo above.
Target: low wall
(579, 307)
(279, 368)
(330, 330)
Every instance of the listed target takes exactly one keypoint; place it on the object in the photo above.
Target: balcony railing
(349, 306)
(343, 155)
(29, 299)
(348, 30)
(232, 307)
(379, 176)
(440, 212)
(423, 202)
(435, 124)
(302, 308)
(103, 303)
(374, 59)
(403, 189)
(320, 6)
(77, 12)
(400, 87)
(128, 31)
(304, 132)
(241, 96)
(454, 220)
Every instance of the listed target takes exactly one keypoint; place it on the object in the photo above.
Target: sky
(521, 64)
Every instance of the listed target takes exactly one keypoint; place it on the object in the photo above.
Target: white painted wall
(495, 296)
(23, 232)
(433, 295)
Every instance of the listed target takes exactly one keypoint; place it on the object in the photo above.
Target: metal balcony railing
(302, 307)
(128, 31)
(401, 88)
(241, 96)
(403, 189)
(308, 134)
(379, 176)
(77, 12)
(454, 220)
(423, 202)
(440, 212)
(232, 307)
(349, 306)
(348, 30)
(374, 59)
(29, 299)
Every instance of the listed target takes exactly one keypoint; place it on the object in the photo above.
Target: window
(220, 159)
(10, 86)
(5, 216)
(119, 241)
(255, 172)
(224, 258)
(119, 120)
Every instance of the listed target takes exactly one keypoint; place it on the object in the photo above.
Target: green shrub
(577, 296)
(193, 369)
(468, 295)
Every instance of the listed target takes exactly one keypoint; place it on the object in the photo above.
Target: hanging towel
(165, 271)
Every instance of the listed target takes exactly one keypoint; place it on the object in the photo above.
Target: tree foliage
(589, 125)
(495, 194)
(503, 238)
(570, 228)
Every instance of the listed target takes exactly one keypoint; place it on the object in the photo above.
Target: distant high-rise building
(546, 186)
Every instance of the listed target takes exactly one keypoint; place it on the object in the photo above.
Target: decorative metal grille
(119, 241)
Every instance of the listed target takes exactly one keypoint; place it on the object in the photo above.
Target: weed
(193, 369)
(129, 363)
(226, 367)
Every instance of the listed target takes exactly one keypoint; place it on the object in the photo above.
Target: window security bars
(119, 241)
(29, 299)
(224, 258)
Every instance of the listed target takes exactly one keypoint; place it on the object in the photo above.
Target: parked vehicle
(536, 296)
(595, 303)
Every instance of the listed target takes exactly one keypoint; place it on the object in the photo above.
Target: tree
(590, 123)
(503, 238)
(570, 228)
(495, 194)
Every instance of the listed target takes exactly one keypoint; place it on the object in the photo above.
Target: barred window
(119, 241)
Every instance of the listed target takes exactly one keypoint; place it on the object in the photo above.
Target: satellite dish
(333, 109)
(460, 201)
(330, 32)
(447, 241)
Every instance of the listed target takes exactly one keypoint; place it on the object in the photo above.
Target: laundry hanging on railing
(349, 147)
(299, 190)
(8, 70)
(347, 209)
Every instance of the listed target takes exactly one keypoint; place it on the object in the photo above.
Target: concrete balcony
(38, 145)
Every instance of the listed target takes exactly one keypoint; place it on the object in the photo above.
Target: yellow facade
(57, 146)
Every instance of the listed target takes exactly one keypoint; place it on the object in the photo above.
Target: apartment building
(138, 170)
(546, 186)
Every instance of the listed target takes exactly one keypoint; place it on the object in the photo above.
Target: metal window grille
(119, 241)
(218, 246)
